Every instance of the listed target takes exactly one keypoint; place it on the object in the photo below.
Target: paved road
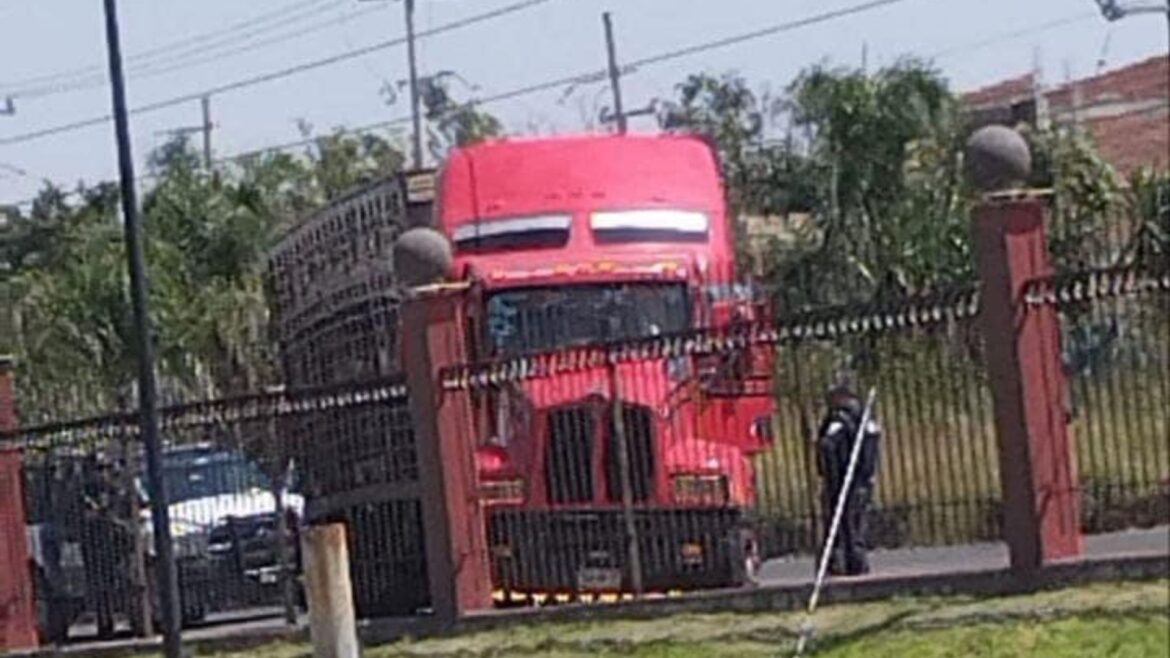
(967, 558)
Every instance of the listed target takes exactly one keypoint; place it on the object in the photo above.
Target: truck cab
(572, 242)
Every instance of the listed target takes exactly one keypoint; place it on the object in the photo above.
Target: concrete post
(332, 623)
(433, 337)
(1022, 348)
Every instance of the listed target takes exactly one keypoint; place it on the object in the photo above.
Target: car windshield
(204, 474)
(532, 319)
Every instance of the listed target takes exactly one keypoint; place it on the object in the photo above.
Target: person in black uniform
(838, 431)
(106, 543)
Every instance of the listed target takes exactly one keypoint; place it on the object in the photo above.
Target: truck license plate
(594, 578)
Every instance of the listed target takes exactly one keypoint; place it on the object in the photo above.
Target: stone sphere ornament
(422, 256)
(997, 158)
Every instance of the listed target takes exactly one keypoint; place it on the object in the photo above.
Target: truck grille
(638, 423)
(568, 471)
(572, 432)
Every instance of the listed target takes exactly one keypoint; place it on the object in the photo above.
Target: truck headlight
(700, 489)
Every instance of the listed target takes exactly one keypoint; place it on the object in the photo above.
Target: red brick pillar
(1022, 346)
(7, 396)
(18, 628)
(433, 337)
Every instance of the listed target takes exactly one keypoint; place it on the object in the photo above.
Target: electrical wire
(199, 57)
(585, 77)
(18, 88)
(1013, 35)
(273, 75)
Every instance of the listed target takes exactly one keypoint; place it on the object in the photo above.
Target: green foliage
(62, 266)
(874, 162)
(872, 167)
(208, 234)
(451, 122)
(1089, 224)
(892, 218)
(725, 110)
(1149, 205)
(867, 179)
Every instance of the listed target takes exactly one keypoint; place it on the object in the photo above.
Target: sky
(178, 48)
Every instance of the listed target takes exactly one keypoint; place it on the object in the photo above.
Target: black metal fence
(689, 454)
(1116, 344)
(243, 475)
(937, 480)
(693, 454)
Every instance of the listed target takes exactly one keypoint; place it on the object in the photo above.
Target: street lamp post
(148, 403)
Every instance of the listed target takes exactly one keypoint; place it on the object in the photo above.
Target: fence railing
(242, 475)
(690, 455)
(1116, 345)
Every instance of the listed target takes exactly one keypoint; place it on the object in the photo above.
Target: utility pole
(415, 119)
(614, 75)
(204, 128)
(205, 103)
(148, 403)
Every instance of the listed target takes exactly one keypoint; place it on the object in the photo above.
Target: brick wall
(1124, 110)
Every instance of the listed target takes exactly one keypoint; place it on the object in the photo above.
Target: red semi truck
(575, 241)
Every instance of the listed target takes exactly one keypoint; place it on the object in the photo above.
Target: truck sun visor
(495, 228)
(683, 222)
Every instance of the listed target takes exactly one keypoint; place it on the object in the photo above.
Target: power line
(764, 32)
(14, 88)
(1013, 34)
(274, 75)
(584, 77)
(204, 54)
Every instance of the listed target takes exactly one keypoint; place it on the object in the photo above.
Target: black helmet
(842, 396)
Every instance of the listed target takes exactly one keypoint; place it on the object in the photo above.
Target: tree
(1149, 206)
(762, 178)
(70, 313)
(1088, 214)
(62, 267)
(450, 122)
(891, 215)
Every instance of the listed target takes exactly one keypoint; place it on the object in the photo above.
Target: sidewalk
(967, 558)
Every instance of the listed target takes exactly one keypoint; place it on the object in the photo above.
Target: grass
(1106, 620)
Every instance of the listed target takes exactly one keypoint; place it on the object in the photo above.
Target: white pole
(806, 627)
(332, 624)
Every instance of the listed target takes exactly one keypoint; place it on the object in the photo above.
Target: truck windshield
(533, 319)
